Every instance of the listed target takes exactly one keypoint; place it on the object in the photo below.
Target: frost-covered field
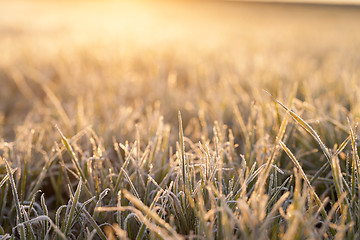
(149, 120)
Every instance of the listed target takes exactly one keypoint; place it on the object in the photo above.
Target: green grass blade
(73, 156)
(6, 177)
(343, 145)
(182, 151)
(118, 180)
(14, 191)
(70, 217)
(29, 229)
(46, 213)
(94, 224)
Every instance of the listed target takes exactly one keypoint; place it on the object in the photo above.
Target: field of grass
(153, 120)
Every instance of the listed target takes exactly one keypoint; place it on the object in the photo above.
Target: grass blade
(298, 166)
(182, 151)
(94, 224)
(117, 184)
(152, 215)
(73, 156)
(332, 159)
(69, 218)
(14, 192)
(308, 128)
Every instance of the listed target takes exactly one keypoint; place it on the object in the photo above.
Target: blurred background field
(180, 54)
(110, 72)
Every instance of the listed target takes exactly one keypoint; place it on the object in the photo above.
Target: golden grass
(148, 120)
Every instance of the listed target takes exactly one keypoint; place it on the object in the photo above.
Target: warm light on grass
(149, 120)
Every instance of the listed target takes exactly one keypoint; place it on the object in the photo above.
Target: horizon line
(311, 2)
